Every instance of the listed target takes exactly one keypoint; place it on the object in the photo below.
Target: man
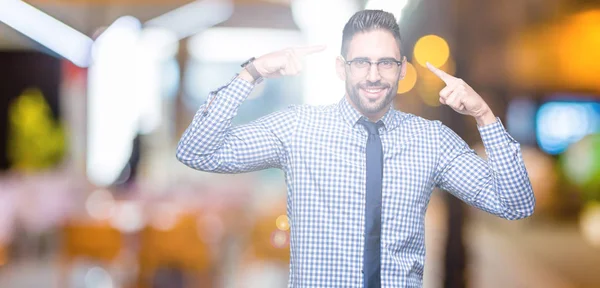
(359, 173)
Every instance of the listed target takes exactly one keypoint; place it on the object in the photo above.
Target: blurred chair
(266, 257)
(97, 241)
(172, 253)
(268, 242)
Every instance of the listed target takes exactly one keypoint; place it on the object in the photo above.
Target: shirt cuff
(495, 134)
(238, 88)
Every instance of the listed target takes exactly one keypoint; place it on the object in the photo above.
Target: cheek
(352, 82)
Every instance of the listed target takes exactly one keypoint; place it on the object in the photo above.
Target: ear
(403, 71)
(340, 67)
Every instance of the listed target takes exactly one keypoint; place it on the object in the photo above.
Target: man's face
(371, 89)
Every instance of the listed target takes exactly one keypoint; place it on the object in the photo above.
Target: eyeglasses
(360, 67)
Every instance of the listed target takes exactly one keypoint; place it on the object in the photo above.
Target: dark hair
(366, 21)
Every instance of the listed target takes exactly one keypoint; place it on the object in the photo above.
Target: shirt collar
(391, 119)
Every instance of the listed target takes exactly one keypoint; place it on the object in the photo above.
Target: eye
(387, 64)
(361, 63)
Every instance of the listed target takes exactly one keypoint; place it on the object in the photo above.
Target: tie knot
(372, 128)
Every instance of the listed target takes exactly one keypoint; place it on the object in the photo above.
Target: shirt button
(362, 271)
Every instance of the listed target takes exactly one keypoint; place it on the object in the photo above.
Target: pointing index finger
(447, 78)
(303, 51)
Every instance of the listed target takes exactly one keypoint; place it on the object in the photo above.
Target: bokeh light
(562, 123)
(429, 85)
(433, 49)
(99, 278)
(128, 217)
(282, 223)
(165, 216)
(280, 239)
(410, 79)
(589, 223)
(100, 205)
(581, 165)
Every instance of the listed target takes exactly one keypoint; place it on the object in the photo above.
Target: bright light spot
(279, 239)
(221, 44)
(282, 223)
(589, 223)
(128, 217)
(121, 34)
(432, 49)
(126, 85)
(321, 22)
(393, 6)
(561, 123)
(112, 123)
(100, 205)
(158, 44)
(409, 80)
(42, 28)
(98, 278)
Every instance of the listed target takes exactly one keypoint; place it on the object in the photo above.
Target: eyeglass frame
(399, 63)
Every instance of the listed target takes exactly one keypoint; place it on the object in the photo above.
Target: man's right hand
(281, 63)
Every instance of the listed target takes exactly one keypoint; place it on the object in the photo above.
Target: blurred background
(94, 95)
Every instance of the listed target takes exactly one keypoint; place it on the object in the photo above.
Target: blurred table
(529, 254)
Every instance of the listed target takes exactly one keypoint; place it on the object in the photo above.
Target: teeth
(373, 90)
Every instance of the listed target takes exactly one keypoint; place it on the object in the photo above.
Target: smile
(373, 93)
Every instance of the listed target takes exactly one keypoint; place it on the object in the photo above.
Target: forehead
(374, 44)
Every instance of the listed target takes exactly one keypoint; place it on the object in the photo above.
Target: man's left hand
(462, 98)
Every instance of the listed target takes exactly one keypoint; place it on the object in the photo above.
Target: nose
(373, 74)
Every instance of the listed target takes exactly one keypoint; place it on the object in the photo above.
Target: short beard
(362, 105)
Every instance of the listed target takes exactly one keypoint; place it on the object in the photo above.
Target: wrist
(245, 75)
(250, 71)
(486, 118)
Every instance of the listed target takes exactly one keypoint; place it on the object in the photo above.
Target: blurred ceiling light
(46, 30)
(393, 6)
(222, 44)
(124, 31)
(110, 92)
(158, 43)
(322, 22)
(194, 17)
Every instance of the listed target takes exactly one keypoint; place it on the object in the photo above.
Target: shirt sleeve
(211, 144)
(500, 185)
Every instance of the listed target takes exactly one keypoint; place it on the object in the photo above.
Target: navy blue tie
(372, 249)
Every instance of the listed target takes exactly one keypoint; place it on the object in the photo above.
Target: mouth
(373, 93)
